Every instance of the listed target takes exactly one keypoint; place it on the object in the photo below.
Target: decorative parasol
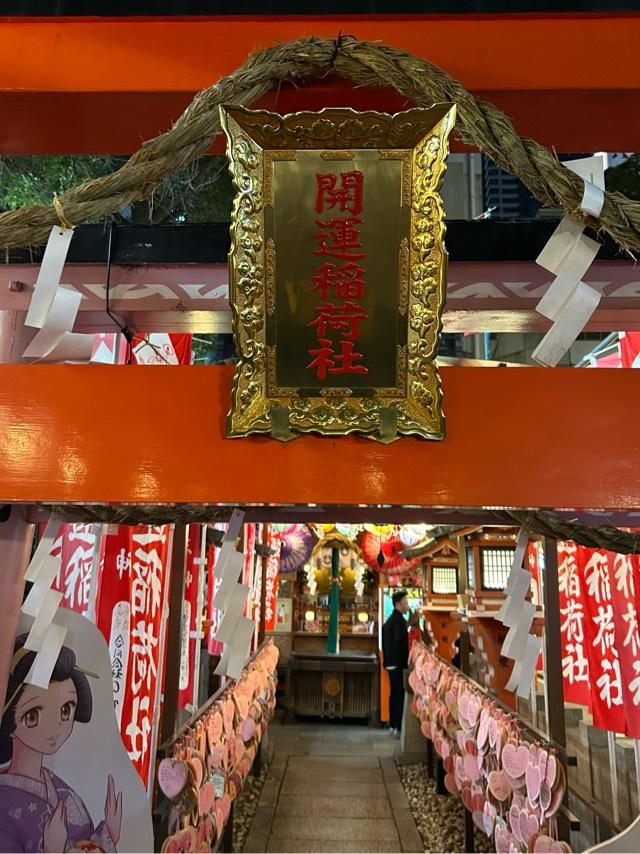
(296, 548)
(371, 546)
(391, 549)
(384, 553)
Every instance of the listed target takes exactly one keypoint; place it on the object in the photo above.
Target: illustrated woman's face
(44, 718)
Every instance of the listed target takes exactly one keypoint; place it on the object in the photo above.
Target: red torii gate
(539, 437)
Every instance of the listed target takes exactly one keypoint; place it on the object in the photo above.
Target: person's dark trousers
(396, 697)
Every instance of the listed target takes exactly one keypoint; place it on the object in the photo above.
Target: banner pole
(636, 751)
(263, 586)
(159, 698)
(198, 625)
(613, 770)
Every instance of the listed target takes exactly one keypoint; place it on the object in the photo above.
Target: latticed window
(444, 579)
(495, 565)
(471, 569)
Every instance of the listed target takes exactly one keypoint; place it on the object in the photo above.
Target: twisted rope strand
(542, 522)
(479, 124)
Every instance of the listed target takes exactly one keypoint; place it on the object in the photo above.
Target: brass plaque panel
(337, 271)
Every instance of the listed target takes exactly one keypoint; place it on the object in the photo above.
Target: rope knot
(338, 45)
(57, 204)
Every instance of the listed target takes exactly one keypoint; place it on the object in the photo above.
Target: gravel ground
(439, 818)
(246, 805)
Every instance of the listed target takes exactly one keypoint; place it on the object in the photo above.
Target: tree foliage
(200, 193)
(625, 178)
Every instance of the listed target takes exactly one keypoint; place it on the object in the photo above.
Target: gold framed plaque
(337, 271)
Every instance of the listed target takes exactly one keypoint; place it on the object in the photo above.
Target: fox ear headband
(18, 655)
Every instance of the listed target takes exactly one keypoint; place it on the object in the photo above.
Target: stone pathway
(332, 788)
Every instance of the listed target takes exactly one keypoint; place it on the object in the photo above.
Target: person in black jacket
(395, 655)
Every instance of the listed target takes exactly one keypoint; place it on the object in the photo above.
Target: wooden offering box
(334, 686)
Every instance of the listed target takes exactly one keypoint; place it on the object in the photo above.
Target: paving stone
(256, 843)
(332, 772)
(397, 795)
(291, 846)
(326, 806)
(341, 759)
(337, 789)
(409, 837)
(409, 758)
(269, 795)
(389, 769)
(276, 773)
(333, 787)
(262, 819)
(338, 829)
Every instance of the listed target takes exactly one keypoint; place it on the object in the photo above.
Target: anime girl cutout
(38, 810)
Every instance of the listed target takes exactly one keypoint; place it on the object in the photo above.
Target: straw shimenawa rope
(542, 522)
(479, 123)
(554, 527)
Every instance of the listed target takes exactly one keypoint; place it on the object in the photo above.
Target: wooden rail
(162, 804)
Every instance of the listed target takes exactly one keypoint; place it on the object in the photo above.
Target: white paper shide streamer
(235, 631)
(518, 615)
(45, 637)
(53, 309)
(569, 302)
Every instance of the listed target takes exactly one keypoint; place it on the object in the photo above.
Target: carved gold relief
(258, 142)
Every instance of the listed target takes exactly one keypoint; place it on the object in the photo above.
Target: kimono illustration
(26, 806)
(39, 811)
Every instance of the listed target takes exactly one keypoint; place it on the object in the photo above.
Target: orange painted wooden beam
(534, 437)
(511, 53)
(118, 122)
(104, 85)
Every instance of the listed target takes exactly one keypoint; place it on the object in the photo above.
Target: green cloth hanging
(333, 641)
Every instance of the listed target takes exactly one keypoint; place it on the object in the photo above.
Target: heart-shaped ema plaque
(499, 785)
(173, 776)
(515, 759)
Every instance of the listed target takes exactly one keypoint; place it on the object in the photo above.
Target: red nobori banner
(162, 348)
(76, 545)
(630, 349)
(190, 617)
(271, 583)
(601, 642)
(600, 637)
(575, 663)
(129, 609)
(249, 548)
(623, 581)
(532, 562)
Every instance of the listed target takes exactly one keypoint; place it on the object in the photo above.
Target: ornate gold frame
(417, 137)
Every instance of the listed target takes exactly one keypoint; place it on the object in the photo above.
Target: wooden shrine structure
(529, 438)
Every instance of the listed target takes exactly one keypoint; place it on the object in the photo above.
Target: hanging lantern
(282, 528)
(379, 530)
(411, 535)
(347, 530)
